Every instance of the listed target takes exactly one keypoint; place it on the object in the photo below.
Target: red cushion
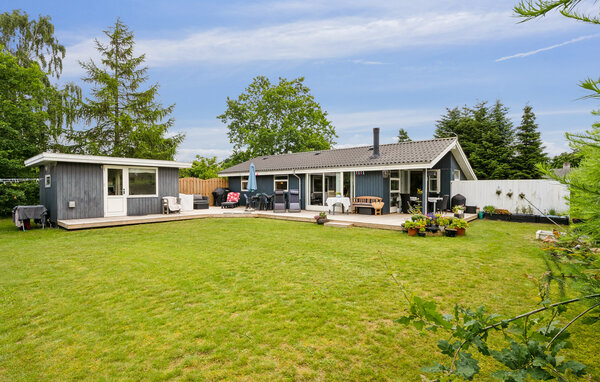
(233, 197)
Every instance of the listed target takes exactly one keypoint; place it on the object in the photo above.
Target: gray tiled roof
(394, 153)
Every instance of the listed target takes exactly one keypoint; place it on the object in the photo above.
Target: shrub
(502, 212)
(418, 217)
(459, 223)
(489, 209)
(14, 194)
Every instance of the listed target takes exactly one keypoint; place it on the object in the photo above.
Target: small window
(142, 181)
(48, 181)
(281, 182)
(244, 183)
(456, 174)
(434, 181)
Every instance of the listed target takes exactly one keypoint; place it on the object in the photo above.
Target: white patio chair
(170, 204)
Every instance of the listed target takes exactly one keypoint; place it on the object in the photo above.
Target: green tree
(403, 136)
(126, 121)
(573, 158)
(32, 41)
(269, 119)
(529, 148)
(203, 168)
(24, 118)
(486, 136)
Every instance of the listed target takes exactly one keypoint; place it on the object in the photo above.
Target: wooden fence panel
(202, 186)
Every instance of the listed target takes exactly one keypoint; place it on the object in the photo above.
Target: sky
(376, 63)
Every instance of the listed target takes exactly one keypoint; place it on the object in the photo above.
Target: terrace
(389, 221)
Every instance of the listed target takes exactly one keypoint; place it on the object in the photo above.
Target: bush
(489, 209)
(14, 194)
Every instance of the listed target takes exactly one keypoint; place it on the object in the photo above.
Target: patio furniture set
(185, 202)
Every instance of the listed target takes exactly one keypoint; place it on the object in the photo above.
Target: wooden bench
(374, 202)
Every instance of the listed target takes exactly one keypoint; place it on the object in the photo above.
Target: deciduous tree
(269, 119)
(203, 168)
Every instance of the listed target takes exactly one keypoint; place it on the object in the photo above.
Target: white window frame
(456, 174)
(47, 181)
(244, 179)
(279, 178)
(126, 174)
(437, 173)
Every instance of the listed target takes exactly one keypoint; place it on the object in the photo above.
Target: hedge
(14, 194)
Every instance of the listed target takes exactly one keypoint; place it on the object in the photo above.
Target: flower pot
(321, 221)
(480, 214)
(422, 234)
(460, 231)
(412, 231)
(460, 215)
(450, 232)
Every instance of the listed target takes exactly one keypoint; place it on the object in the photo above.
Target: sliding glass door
(329, 185)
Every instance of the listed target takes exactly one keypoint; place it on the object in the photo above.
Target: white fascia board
(416, 166)
(464, 164)
(75, 158)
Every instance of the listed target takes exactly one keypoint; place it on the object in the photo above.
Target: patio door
(115, 191)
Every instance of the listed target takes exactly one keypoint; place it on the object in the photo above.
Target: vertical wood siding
(204, 186)
(81, 183)
(48, 195)
(447, 165)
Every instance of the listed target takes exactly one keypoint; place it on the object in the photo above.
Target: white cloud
(536, 51)
(335, 37)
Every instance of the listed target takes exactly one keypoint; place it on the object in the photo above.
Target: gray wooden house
(412, 169)
(87, 186)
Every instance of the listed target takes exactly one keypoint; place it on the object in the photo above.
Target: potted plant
(321, 218)
(422, 232)
(459, 211)
(411, 227)
(460, 225)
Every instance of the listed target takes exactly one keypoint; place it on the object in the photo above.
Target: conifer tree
(126, 121)
(529, 148)
(403, 136)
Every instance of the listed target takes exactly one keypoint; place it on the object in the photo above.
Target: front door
(115, 191)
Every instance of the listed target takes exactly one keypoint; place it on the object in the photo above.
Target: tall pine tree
(529, 148)
(126, 120)
(486, 136)
(403, 136)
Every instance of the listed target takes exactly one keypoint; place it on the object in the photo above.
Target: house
(386, 171)
(87, 186)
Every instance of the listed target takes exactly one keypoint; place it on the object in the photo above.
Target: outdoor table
(332, 201)
(25, 213)
(434, 200)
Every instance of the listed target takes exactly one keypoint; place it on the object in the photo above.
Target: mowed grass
(248, 299)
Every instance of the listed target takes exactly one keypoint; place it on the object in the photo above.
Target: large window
(142, 181)
(316, 189)
(244, 183)
(280, 182)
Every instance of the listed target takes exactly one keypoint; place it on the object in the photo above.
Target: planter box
(524, 218)
(558, 219)
(502, 217)
(450, 232)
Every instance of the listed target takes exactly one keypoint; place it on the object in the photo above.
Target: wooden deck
(389, 221)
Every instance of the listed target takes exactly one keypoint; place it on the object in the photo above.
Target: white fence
(544, 194)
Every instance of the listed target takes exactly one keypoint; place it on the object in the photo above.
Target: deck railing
(202, 186)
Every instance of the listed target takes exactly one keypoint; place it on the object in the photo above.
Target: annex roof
(46, 158)
(422, 154)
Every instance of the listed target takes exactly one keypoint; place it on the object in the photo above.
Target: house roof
(46, 158)
(422, 154)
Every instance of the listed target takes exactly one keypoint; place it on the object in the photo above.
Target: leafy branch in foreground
(532, 340)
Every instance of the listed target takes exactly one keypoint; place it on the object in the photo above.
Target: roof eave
(47, 157)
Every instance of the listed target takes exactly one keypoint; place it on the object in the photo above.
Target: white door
(115, 191)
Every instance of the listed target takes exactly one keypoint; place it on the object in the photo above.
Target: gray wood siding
(168, 185)
(48, 195)
(447, 165)
(81, 183)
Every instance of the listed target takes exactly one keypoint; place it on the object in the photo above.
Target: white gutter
(46, 157)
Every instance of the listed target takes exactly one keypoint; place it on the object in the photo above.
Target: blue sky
(368, 63)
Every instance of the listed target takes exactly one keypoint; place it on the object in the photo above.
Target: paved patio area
(389, 221)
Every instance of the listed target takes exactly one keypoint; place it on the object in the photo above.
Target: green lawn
(248, 299)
